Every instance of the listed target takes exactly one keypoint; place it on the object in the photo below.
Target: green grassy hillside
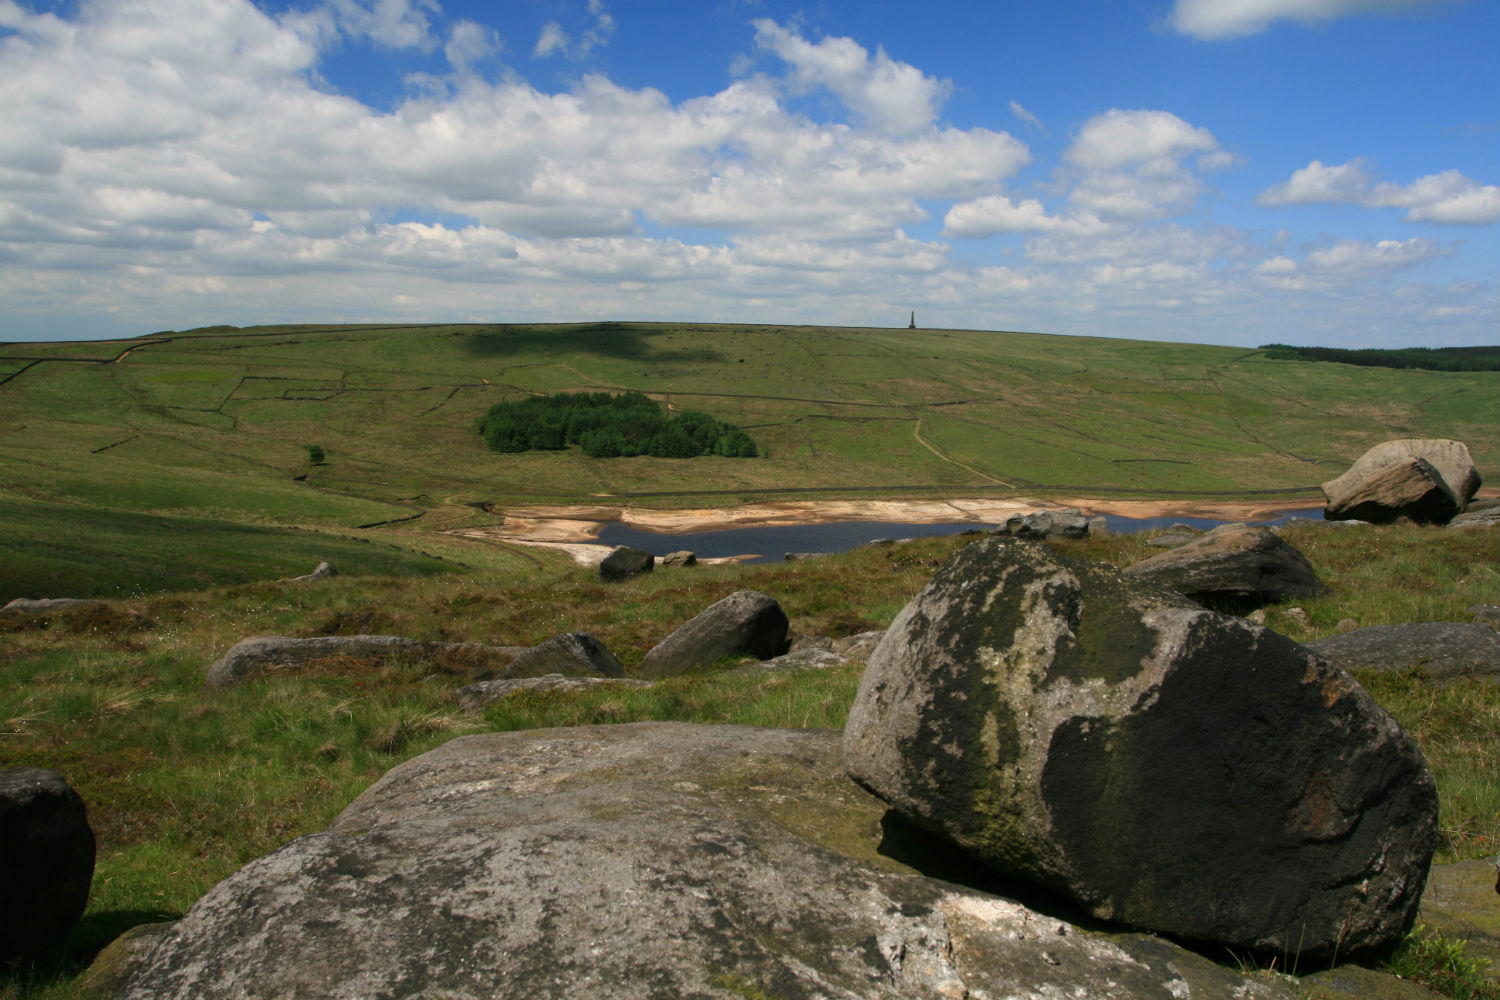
(215, 425)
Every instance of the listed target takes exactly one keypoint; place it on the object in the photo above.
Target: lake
(771, 543)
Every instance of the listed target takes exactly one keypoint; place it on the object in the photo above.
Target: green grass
(56, 551)
(214, 423)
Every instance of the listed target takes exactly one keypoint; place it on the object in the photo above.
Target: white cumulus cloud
(1447, 198)
(1219, 19)
(893, 97)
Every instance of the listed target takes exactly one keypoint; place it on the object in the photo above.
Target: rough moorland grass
(217, 423)
(184, 788)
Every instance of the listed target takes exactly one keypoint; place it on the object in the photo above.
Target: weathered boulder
(1069, 523)
(1486, 517)
(1428, 480)
(46, 861)
(632, 862)
(1441, 651)
(1234, 564)
(1164, 766)
(573, 654)
(28, 605)
(681, 558)
(744, 622)
(475, 698)
(1174, 536)
(324, 570)
(251, 657)
(625, 562)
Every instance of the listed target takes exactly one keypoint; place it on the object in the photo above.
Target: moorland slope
(160, 449)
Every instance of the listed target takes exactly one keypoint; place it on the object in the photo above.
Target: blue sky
(1220, 171)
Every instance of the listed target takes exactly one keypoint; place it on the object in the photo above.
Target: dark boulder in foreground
(46, 861)
(1235, 565)
(1439, 651)
(1428, 480)
(744, 622)
(630, 862)
(1166, 767)
(624, 563)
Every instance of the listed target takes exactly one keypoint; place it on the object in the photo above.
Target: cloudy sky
(1220, 171)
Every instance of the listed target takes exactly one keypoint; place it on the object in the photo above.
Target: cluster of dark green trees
(1439, 359)
(607, 426)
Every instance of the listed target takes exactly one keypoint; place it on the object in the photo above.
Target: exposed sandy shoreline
(573, 528)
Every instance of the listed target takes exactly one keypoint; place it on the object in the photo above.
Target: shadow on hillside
(611, 340)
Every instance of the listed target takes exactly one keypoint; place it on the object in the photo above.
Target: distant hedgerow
(609, 426)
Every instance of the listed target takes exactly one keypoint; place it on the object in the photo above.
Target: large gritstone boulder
(1234, 565)
(625, 563)
(46, 861)
(1166, 767)
(632, 862)
(1438, 651)
(744, 622)
(1426, 480)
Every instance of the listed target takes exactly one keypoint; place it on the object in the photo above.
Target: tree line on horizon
(1439, 359)
(609, 426)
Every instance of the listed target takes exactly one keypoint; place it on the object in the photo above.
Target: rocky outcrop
(625, 562)
(1439, 651)
(46, 862)
(1174, 536)
(475, 698)
(1166, 767)
(1069, 523)
(572, 654)
(1460, 904)
(1234, 565)
(1485, 517)
(744, 622)
(251, 657)
(44, 605)
(323, 571)
(682, 558)
(632, 862)
(1426, 480)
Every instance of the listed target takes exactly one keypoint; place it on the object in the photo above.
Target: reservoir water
(772, 543)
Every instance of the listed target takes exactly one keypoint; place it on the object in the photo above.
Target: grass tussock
(185, 787)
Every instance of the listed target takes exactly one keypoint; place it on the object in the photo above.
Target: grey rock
(802, 641)
(1440, 651)
(802, 556)
(1175, 536)
(46, 861)
(475, 698)
(1069, 523)
(633, 862)
(325, 570)
(1488, 517)
(1487, 614)
(795, 661)
(1098, 525)
(1166, 767)
(859, 647)
(744, 622)
(1476, 506)
(1308, 522)
(624, 563)
(1233, 564)
(682, 558)
(27, 605)
(1428, 480)
(573, 654)
(256, 655)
